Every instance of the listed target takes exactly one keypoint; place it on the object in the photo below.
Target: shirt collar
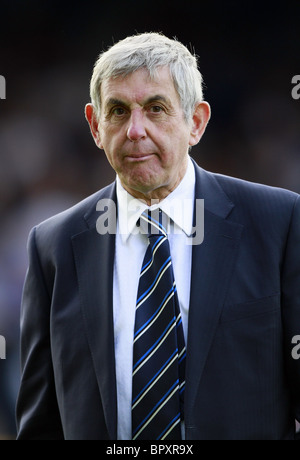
(178, 206)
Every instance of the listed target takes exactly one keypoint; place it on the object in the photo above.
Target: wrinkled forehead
(139, 86)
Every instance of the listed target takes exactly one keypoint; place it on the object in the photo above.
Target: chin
(143, 180)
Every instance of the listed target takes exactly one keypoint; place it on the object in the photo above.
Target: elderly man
(134, 328)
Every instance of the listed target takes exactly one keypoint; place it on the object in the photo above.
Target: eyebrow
(113, 101)
(157, 98)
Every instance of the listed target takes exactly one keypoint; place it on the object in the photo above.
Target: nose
(136, 130)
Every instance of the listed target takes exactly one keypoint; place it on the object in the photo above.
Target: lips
(139, 156)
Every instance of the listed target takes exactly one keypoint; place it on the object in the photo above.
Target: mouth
(135, 157)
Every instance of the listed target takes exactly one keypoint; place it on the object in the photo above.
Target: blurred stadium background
(248, 53)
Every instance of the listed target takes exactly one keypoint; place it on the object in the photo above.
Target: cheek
(110, 143)
(174, 147)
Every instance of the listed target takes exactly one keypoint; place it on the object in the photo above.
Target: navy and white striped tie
(159, 349)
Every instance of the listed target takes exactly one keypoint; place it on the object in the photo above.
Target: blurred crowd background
(248, 53)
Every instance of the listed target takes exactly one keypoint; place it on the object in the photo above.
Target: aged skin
(143, 132)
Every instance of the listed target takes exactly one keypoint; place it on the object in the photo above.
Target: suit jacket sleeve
(37, 410)
(291, 305)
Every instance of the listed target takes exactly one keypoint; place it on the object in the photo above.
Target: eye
(118, 111)
(156, 109)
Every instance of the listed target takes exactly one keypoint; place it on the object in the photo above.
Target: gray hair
(150, 51)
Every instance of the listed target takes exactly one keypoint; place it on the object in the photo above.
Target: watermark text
(180, 210)
(296, 88)
(2, 87)
(2, 347)
(151, 449)
(296, 348)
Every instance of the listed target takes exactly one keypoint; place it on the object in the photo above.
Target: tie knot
(152, 221)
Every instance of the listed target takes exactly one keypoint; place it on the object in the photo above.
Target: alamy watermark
(2, 87)
(181, 210)
(296, 88)
(296, 348)
(2, 347)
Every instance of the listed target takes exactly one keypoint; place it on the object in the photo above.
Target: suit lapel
(212, 264)
(94, 259)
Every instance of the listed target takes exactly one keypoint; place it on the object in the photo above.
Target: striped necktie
(158, 349)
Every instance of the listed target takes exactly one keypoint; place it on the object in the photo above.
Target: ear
(92, 119)
(200, 120)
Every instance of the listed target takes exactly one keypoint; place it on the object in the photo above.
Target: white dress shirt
(131, 245)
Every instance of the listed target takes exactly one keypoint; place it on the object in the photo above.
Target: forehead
(139, 86)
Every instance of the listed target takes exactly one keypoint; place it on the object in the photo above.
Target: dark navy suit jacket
(242, 379)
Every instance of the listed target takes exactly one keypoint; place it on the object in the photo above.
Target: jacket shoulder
(239, 187)
(259, 203)
(245, 199)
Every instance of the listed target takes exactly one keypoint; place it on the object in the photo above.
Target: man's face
(143, 133)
